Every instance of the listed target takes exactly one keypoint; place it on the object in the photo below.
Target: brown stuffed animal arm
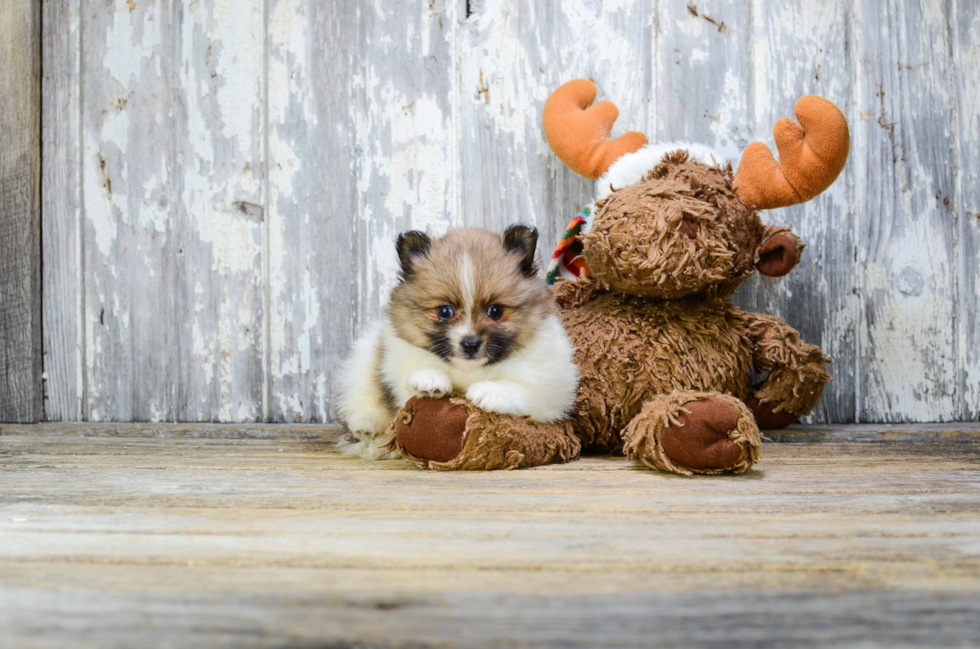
(797, 370)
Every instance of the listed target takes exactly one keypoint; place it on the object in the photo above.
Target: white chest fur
(541, 378)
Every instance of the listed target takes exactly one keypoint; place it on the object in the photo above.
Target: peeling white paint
(157, 415)
(239, 70)
(202, 352)
(419, 170)
(967, 55)
(99, 209)
(288, 65)
(116, 129)
(442, 126)
(730, 110)
(233, 243)
(155, 211)
(130, 40)
(225, 359)
(406, 166)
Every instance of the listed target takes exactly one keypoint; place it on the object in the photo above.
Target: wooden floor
(183, 536)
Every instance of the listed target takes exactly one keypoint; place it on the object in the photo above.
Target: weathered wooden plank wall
(20, 211)
(819, 296)
(62, 271)
(223, 180)
(309, 247)
(966, 62)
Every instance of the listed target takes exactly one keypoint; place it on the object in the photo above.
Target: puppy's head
(471, 297)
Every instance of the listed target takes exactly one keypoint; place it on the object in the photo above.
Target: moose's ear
(779, 252)
(412, 246)
(522, 240)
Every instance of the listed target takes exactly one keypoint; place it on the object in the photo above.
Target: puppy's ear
(412, 246)
(522, 240)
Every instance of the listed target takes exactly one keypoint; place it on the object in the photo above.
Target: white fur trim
(631, 168)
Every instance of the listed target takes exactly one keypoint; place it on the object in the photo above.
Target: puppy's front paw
(499, 396)
(429, 382)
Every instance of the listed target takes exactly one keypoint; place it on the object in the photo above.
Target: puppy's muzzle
(470, 345)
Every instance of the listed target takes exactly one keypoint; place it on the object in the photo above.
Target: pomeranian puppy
(469, 314)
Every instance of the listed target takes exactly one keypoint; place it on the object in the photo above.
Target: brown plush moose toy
(642, 280)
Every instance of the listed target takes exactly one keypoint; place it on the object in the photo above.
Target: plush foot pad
(700, 438)
(432, 429)
(765, 417)
(694, 432)
(453, 434)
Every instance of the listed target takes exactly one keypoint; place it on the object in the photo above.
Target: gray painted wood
(218, 210)
(264, 155)
(820, 296)
(966, 52)
(20, 211)
(253, 431)
(703, 82)
(131, 200)
(513, 54)
(310, 252)
(404, 121)
(61, 206)
(904, 158)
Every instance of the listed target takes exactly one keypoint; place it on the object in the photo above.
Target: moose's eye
(445, 312)
(495, 311)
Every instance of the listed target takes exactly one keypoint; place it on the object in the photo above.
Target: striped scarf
(567, 259)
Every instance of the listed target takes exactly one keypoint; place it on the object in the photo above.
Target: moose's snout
(690, 227)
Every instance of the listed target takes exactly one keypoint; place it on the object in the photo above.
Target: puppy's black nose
(470, 345)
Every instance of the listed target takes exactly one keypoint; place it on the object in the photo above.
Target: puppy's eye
(445, 312)
(495, 311)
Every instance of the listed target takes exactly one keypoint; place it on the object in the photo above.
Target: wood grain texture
(404, 120)
(20, 211)
(130, 193)
(512, 55)
(226, 180)
(311, 204)
(258, 542)
(61, 207)
(820, 296)
(904, 158)
(703, 75)
(966, 58)
(218, 214)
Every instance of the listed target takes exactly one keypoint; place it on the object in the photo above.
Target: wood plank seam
(266, 288)
(21, 388)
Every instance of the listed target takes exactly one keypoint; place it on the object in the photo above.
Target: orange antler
(811, 156)
(579, 134)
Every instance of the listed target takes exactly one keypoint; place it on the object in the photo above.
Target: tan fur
(439, 279)
(797, 371)
(654, 331)
(634, 247)
(630, 350)
(656, 320)
(642, 436)
(495, 442)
